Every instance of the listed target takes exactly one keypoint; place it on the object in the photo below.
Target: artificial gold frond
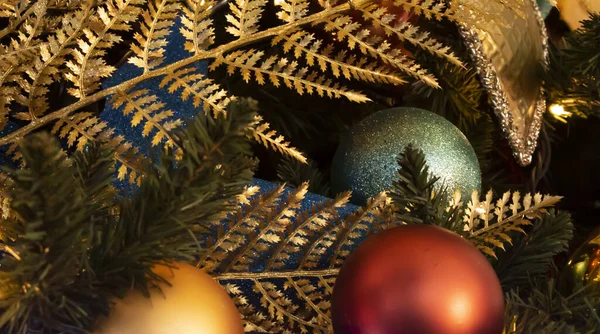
(213, 97)
(270, 139)
(145, 108)
(51, 56)
(13, 82)
(245, 16)
(269, 232)
(490, 224)
(345, 28)
(251, 65)
(354, 227)
(460, 11)
(17, 11)
(197, 27)
(201, 89)
(47, 40)
(234, 232)
(65, 4)
(305, 44)
(155, 27)
(292, 10)
(280, 250)
(405, 31)
(83, 128)
(87, 66)
(304, 231)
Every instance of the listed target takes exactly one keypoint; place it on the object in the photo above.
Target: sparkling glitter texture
(183, 110)
(365, 161)
(507, 57)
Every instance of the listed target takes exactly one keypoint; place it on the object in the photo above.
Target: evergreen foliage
(77, 245)
(573, 79)
(71, 244)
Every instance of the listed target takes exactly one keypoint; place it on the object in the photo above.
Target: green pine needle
(78, 246)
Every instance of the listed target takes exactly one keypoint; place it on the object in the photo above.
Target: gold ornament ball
(194, 304)
(584, 266)
(575, 11)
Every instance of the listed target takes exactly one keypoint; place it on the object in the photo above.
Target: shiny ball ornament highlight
(584, 265)
(365, 161)
(417, 279)
(194, 304)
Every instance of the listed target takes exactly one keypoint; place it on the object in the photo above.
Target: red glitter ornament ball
(417, 279)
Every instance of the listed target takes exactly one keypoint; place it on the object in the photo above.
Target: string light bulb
(559, 112)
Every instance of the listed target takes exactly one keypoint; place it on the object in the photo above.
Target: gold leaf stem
(213, 53)
(531, 210)
(56, 54)
(309, 301)
(151, 33)
(97, 40)
(281, 309)
(149, 119)
(11, 26)
(328, 287)
(297, 230)
(393, 61)
(117, 157)
(11, 251)
(277, 274)
(392, 78)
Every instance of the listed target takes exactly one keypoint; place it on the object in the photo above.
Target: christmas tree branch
(532, 254)
(75, 253)
(202, 55)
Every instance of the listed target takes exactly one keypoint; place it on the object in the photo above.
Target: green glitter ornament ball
(365, 161)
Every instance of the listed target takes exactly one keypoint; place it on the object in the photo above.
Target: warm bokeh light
(559, 112)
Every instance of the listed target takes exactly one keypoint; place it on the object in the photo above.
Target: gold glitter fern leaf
(252, 65)
(244, 17)
(405, 31)
(292, 10)
(67, 41)
(345, 28)
(270, 139)
(489, 225)
(84, 128)
(304, 44)
(201, 89)
(282, 251)
(88, 66)
(197, 27)
(155, 28)
(145, 108)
